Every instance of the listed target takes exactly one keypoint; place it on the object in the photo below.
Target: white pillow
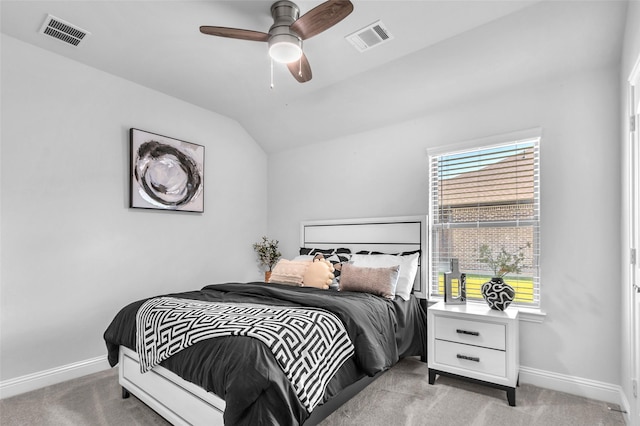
(408, 268)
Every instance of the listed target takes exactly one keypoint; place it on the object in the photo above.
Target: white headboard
(386, 235)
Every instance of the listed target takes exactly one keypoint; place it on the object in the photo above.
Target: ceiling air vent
(370, 36)
(63, 31)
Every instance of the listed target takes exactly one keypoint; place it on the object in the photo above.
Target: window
(484, 207)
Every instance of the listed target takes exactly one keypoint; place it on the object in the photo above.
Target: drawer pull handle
(468, 358)
(470, 333)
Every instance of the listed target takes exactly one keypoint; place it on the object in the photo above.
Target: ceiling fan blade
(321, 18)
(234, 33)
(301, 70)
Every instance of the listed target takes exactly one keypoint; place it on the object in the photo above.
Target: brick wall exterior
(500, 192)
(466, 241)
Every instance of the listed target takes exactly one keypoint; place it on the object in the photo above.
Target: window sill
(534, 315)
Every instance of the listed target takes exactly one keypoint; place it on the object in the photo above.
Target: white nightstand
(475, 342)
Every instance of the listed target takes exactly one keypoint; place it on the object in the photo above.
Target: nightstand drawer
(471, 358)
(488, 335)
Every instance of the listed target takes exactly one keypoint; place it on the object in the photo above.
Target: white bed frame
(183, 403)
(385, 235)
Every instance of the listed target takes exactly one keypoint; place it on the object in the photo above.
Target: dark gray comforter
(243, 371)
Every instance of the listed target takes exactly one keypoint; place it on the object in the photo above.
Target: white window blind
(485, 207)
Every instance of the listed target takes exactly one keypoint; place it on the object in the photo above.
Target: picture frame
(165, 173)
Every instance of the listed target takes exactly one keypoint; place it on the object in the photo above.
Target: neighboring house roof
(507, 181)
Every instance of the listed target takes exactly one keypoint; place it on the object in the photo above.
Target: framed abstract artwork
(166, 173)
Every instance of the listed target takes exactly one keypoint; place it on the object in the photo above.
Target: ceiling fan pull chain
(271, 74)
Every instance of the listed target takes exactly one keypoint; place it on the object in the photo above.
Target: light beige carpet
(402, 396)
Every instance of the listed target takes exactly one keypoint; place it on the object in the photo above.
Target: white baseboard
(574, 385)
(52, 376)
(545, 379)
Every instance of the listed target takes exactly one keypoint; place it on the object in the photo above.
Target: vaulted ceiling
(441, 52)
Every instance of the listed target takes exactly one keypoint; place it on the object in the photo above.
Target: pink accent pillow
(378, 281)
(319, 274)
(289, 272)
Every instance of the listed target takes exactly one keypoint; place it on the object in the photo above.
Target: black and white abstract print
(166, 173)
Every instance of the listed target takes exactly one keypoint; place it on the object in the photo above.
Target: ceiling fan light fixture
(288, 31)
(285, 48)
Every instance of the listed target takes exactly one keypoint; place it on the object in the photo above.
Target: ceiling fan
(288, 31)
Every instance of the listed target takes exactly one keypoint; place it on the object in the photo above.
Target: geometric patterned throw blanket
(309, 344)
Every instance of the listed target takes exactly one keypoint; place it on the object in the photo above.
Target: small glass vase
(498, 294)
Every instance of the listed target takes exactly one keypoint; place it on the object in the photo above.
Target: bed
(239, 379)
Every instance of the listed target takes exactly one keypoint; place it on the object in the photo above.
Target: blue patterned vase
(498, 294)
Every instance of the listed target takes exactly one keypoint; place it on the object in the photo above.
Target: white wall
(72, 252)
(630, 54)
(67, 234)
(384, 173)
